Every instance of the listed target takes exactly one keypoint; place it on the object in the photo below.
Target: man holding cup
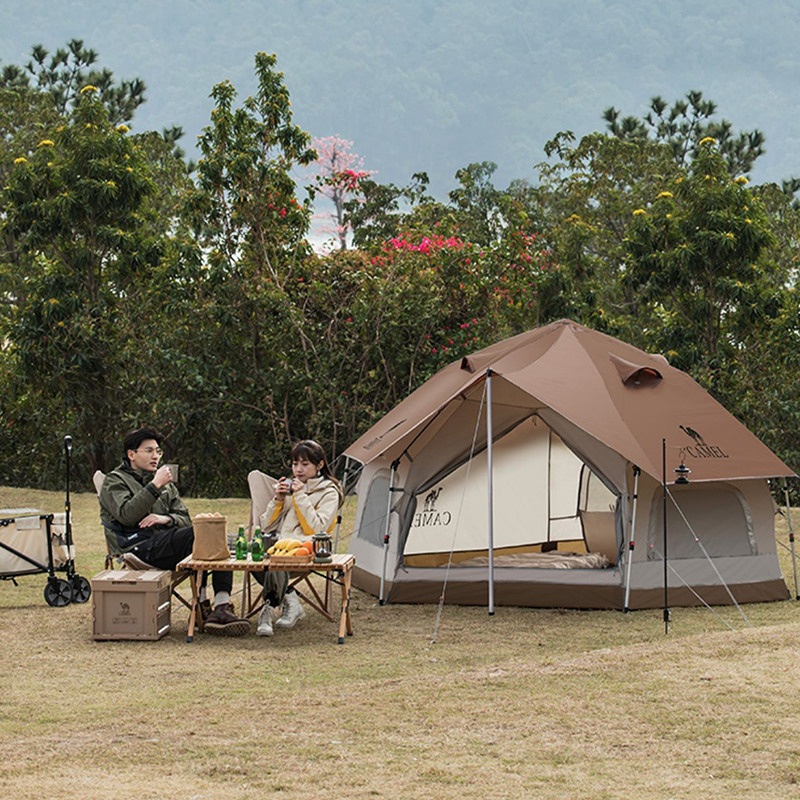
(141, 504)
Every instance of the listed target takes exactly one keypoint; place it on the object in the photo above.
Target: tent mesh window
(373, 518)
(719, 515)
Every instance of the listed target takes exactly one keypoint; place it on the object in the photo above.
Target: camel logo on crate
(429, 515)
(701, 449)
(124, 616)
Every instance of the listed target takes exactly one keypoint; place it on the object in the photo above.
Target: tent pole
(791, 535)
(664, 493)
(489, 436)
(626, 607)
(339, 515)
(382, 598)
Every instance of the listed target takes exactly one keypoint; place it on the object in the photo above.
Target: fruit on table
(287, 547)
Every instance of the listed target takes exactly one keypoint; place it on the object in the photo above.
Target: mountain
(425, 85)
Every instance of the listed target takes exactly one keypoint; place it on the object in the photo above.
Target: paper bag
(210, 538)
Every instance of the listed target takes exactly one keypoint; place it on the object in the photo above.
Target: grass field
(528, 704)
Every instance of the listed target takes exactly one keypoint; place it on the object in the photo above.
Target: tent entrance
(546, 501)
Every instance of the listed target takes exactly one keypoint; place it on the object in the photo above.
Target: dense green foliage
(133, 292)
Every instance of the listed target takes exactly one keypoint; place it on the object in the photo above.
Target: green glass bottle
(257, 546)
(241, 545)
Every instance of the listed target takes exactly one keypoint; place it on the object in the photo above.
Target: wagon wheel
(81, 589)
(57, 593)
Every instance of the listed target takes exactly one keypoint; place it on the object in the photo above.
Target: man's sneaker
(292, 611)
(131, 561)
(265, 621)
(223, 622)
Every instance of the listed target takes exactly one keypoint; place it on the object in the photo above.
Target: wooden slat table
(338, 571)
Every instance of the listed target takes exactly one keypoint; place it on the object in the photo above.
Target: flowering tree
(338, 175)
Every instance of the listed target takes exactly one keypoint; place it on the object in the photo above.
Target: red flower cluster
(428, 244)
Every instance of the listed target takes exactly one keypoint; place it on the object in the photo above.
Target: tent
(562, 505)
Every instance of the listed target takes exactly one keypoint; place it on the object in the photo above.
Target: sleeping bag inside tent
(577, 423)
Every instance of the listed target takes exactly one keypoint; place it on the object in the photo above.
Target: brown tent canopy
(625, 398)
(578, 420)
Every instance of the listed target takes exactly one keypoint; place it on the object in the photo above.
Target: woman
(306, 505)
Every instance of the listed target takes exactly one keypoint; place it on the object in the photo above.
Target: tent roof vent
(635, 374)
(467, 365)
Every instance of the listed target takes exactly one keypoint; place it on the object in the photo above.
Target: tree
(64, 74)
(379, 213)
(339, 175)
(73, 208)
(684, 125)
(694, 257)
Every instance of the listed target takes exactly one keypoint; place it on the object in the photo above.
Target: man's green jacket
(128, 496)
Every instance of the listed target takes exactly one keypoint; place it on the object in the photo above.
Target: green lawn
(533, 703)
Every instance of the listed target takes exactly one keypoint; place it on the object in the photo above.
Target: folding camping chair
(114, 551)
(262, 490)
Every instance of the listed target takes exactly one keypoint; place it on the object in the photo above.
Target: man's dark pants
(167, 546)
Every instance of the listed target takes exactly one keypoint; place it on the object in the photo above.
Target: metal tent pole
(490, 488)
(664, 492)
(626, 606)
(791, 535)
(339, 515)
(382, 598)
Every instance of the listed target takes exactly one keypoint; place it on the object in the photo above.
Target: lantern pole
(626, 606)
(490, 487)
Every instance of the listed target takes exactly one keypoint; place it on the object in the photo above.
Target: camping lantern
(682, 472)
(322, 548)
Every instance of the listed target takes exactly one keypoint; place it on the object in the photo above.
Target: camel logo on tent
(701, 449)
(429, 515)
(124, 610)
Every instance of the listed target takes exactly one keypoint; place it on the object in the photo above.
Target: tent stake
(664, 493)
(382, 598)
(626, 606)
(791, 535)
(489, 437)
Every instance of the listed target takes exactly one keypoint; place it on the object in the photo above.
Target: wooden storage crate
(130, 604)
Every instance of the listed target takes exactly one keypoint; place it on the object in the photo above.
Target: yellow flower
(60, 324)
(748, 220)
(708, 140)
(111, 184)
(741, 179)
(88, 89)
(665, 194)
(672, 352)
(49, 163)
(88, 124)
(669, 216)
(679, 180)
(21, 160)
(573, 218)
(684, 246)
(129, 169)
(123, 128)
(53, 301)
(46, 143)
(729, 236)
(639, 212)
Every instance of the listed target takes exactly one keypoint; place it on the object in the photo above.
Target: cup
(173, 470)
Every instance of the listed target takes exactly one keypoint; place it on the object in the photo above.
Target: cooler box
(128, 604)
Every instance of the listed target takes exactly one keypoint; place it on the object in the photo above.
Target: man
(141, 504)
